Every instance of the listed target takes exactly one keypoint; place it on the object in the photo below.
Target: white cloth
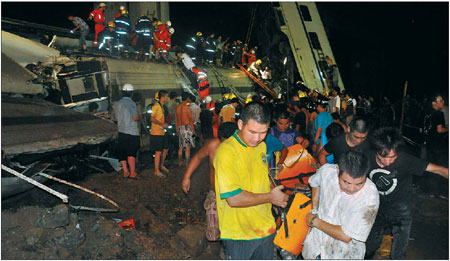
(335, 104)
(354, 213)
(187, 61)
(195, 111)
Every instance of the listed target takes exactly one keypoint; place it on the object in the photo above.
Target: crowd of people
(364, 178)
(364, 181)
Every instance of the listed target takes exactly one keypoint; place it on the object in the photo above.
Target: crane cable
(250, 26)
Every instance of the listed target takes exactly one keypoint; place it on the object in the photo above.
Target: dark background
(377, 46)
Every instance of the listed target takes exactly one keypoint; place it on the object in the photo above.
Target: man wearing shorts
(126, 114)
(185, 128)
(158, 140)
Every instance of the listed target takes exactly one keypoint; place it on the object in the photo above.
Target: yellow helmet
(111, 24)
(123, 11)
(199, 34)
(258, 61)
(302, 94)
(159, 23)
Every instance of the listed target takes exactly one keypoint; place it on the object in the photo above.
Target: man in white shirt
(186, 59)
(188, 64)
(345, 204)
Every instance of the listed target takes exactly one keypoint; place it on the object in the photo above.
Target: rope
(250, 26)
(83, 189)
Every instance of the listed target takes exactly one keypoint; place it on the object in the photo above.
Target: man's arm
(441, 129)
(316, 138)
(315, 197)
(436, 169)
(249, 199)
(323, 156)
(191, 121)
(176, 61)
(334, 231)
(193, 164)
(313, 220)
(76, 28)
(284, 153)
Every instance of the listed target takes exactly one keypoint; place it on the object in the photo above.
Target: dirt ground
(169, 224)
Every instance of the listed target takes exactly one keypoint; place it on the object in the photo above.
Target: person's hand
(302, 141)
(308, 219)
(315, 147)
(278, 197)
(280, 167)
(186, 185)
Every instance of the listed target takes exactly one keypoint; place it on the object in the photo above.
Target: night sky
(377, 46)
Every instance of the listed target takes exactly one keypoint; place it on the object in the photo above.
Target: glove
(71, 31)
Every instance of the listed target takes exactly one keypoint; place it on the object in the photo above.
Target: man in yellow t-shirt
(243, 192)
(228, 112)
(158, 139)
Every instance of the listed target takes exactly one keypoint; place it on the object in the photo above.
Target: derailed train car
(45, 99)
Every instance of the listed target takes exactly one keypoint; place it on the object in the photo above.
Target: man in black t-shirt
(391, 170)
(301, 117)
(355, 139)
(437, 150)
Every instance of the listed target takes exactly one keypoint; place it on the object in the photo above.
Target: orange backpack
(297, 229)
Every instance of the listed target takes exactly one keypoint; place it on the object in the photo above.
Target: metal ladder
(180, 74)
(262, 85)
(224, 83)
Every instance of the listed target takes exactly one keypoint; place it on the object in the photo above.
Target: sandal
(159, 174)
(164, 169)
(135, 177)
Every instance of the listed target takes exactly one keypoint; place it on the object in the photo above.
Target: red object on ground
(127, 224)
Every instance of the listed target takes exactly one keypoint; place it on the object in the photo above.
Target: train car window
(304, 12)
(314, 40)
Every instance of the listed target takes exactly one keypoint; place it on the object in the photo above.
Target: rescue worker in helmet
(144, 30)
(157, 39)
(121, 8)
(166, 41)
(194, 47)
(108, 39)
(165, 38)
(99, 20)
(123, 30)
(210, 48)
(254, 68)
(251, 57)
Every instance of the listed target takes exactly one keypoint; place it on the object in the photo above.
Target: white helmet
(101, 5)
(122, 8)
(171, 30)
(128, 87)
(208, 99)
(169, 23)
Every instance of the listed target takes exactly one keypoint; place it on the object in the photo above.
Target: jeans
(83, 36)
(398, 218)
(250, 249)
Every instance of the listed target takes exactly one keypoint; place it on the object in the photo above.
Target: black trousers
(397, 216)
